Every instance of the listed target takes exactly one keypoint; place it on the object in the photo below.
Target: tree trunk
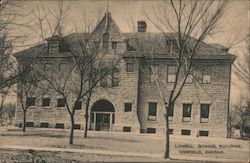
(166, 145)
(87, 117)
(72, 130)
(24, 121)
(86, 124)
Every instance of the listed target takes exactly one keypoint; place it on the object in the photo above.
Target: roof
(139, 44)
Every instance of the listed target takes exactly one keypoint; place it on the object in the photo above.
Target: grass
(126, 142)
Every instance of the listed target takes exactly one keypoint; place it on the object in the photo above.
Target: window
(46, 102)
(126, 129)
(171, 74)
(141, 26)
(78, 105)
(171, 111)
(59, 125)
(77, 126)
(31, 101)
(205, 113)
(114, 45)
(53, 47)
(151, 130)
(154, 70)
(92, 117)
(29, 124)
(206, 75)
(170, 131)
(62, 67)
(47, 67)
(105, 41)
(130, 67)
(104, 82)
(113, 118)
(115, 77)
(152, 110)
(203, 133)
(127, 107)
(61, 103)
(185, 132)
(186, 116)
(169, 44)
(44, 125)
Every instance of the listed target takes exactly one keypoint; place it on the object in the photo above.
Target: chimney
(141, 26)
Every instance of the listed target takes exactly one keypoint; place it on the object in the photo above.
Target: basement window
(126, 129)
(59, 125)
(77, 126)
(44, 125)
(185, 132)
(29, 124)
(203, 133)
(151, 130)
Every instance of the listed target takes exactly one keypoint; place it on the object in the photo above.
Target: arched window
(105, 41)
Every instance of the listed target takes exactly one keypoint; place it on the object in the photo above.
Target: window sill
(204, 120)
(186, 119)
(45, 107)
(31, 107)
(61, 108)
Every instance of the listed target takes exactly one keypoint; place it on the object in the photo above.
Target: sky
(234, 26)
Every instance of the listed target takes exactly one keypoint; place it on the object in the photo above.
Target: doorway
(102, 116)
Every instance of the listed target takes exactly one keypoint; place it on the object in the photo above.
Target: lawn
(182, 147)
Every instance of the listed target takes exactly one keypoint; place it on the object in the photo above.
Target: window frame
(207, 72)
(46, 98)
(171, 74)
(128, 107)
(186, 115)
(204, 119)
(59, 102)
(114, 45)
(155, 68)
(28, 102)
(152, 117)
(130, 67)
(54, 47)
(105, 41)
(76, 106)
(185, 130)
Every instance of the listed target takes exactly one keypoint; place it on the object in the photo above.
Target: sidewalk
(129, 154)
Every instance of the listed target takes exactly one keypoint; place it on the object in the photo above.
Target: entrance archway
(102, 116)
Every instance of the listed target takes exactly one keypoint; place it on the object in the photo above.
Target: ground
(51, 145)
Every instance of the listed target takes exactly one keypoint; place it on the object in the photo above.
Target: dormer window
(105, 41)
(53, 47)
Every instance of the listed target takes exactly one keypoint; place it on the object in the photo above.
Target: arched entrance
(102, 116)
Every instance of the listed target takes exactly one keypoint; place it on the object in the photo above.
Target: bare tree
(29, 90)
(189, 23)
(242, 110)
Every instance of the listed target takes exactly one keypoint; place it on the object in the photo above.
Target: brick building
(133, 104)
